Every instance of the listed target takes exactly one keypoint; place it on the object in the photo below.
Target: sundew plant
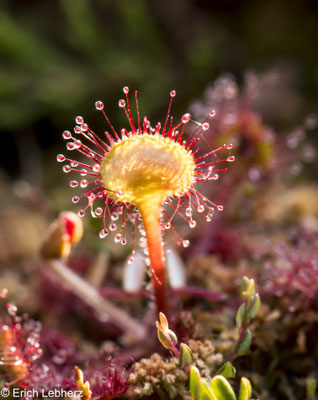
(146, 174)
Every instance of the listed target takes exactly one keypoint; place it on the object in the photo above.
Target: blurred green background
(58, 57)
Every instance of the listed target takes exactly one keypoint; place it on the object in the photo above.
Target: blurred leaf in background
(58, 57)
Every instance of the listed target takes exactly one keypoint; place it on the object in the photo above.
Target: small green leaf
(205, 392)
(163, 321)
(227, 370)
(240, 315)
(244, 296)
(245, 389)
(311, 386)
(194, 384)
(173, 336)
(244, 284)
(221, 388)
(255, 307)
(251, 288)
(163, 340)
(185, 357)
(246, 343)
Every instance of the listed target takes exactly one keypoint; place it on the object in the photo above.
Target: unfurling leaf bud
(165, 335)
(249, 292)
(64, 232)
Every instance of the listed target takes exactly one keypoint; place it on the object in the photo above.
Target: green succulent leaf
(244, 284)
(246, 343)
(185, 357)
(251, 288)
(311, 387)
(173, 336)
(194, 384)
(245, 389)
(240, 315)
(227, 370)
(222, 389)
(163, 340)
(205, 392)
(255, 307)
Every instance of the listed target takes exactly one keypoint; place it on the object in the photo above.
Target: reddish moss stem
(151, 220)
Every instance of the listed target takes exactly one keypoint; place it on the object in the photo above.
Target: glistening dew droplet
(60, 158)
(113, 227)
(79, 120)
(185, 118)
(99, 211)
(67, 135)
(103, 233)
(73, 184)
(99, 105)
(67, 168)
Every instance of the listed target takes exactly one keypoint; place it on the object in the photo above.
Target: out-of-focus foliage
(58, 57)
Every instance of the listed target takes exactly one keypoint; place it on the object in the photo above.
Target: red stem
(151, 219)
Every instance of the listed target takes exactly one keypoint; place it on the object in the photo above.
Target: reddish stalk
(151, 220)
